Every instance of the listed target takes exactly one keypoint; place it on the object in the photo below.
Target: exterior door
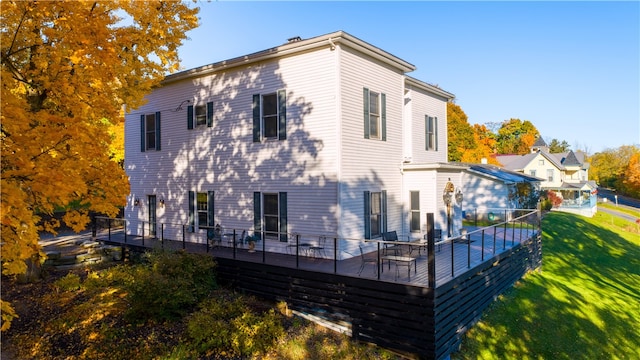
(152, 215)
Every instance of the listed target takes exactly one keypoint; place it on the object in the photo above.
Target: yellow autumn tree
(67, 66)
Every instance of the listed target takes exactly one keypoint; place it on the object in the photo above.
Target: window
(431, 133)
(271, 218)
(375, 126)
(201, 206)
(270, 116)
(201, 209)
(270, 215)
(550, 174)
(150, 128)
(150, 132)
(200, 115)
(532, 172)
(375, 204)
(415, 211)
(541, 162)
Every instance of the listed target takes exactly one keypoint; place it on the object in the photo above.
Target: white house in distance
(322, 136)
(565, 173)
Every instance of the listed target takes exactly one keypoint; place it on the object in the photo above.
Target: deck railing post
(335, 255)
(452, 258)
(431, 252)
(468, 251)
(495, 233)
(504, 238)
(264, 247)
(297, 250)
(184, 233)
(125, 232)
(184, 240)
(475, 215)
(109, 224)
(143, 233)
(482, 255)
(379, 258)
(513, 233)
(234, 243)
(162, 235)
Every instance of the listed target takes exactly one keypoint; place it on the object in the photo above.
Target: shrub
(229, 327)
(169, 285)
(69, 282)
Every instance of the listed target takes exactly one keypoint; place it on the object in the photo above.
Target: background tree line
(617, 169)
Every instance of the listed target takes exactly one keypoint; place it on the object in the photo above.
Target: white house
(566, 173)
(327, 135)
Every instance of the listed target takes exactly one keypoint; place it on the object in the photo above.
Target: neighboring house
(326, 135)
(566, 173)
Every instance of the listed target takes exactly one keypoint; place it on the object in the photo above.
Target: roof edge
(428, 87)
(329, 40)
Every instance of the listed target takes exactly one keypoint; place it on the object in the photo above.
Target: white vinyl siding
(224, 158)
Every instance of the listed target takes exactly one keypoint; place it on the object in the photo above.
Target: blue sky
(571, 68)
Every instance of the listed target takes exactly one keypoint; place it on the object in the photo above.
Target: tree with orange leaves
(68, 68)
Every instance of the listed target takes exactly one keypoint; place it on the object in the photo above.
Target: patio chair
(214, 236)
(391, 236)
(365, 261)
(319, 248)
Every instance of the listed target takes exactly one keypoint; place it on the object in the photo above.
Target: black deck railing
(446, 258)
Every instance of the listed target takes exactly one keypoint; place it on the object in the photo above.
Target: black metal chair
(365, 261)
(319, 248)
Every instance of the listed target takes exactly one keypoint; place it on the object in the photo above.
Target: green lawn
(584, 304)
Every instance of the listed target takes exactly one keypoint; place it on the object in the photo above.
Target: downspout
(338, 119)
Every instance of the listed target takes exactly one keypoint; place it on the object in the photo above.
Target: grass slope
(584, 304)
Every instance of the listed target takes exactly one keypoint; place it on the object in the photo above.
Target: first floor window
(202, 208)
(271, 214)
(375, 204)
(415, 211)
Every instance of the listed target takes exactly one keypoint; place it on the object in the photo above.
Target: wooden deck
(465, 256)
(394, 308)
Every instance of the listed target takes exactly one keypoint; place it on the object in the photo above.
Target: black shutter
(367, 215)
(158, 130)
(142, 134)
(210, 208)
(384, 211)
(283, 216)
(256, 118)
(190, 117)
(366, 113)
(209, 114)
(383, 116)
(192, 211)
(257, 215)
(282, 115)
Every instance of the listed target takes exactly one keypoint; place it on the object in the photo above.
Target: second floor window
(375, 115)
(550, 175)
(200, 115)
(431, 133)
(270, 116)
(150, 132)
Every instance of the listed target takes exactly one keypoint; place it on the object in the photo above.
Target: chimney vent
(294, 39)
